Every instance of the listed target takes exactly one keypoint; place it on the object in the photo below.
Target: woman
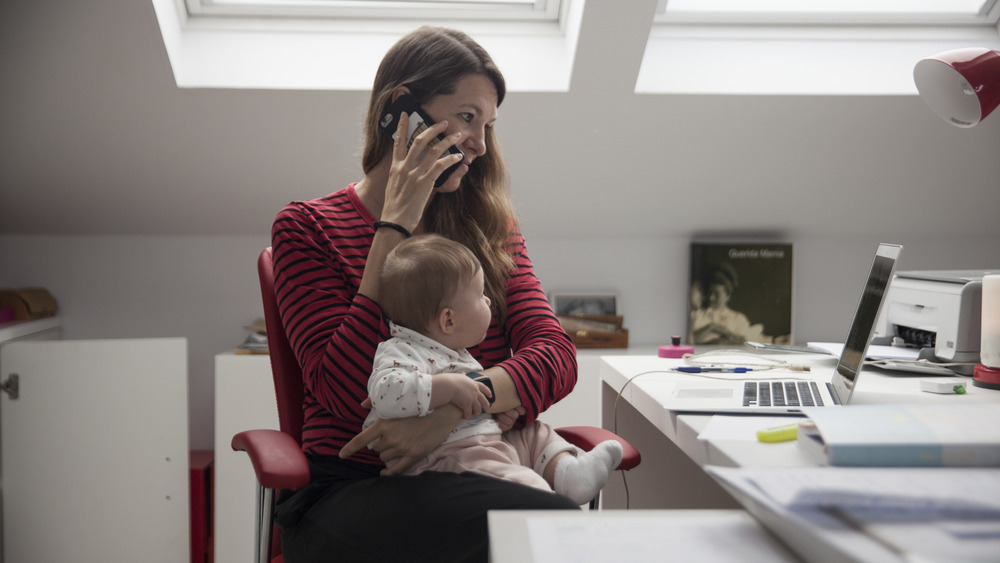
(328, 254)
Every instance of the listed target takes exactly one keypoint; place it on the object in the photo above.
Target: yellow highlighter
(783, 433)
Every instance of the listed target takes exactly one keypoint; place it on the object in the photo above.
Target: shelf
(46, 328)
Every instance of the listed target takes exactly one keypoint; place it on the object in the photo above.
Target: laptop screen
(863, 327)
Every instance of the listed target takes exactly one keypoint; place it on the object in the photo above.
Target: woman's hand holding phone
(414, 171)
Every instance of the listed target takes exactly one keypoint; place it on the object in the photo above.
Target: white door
(94, 462)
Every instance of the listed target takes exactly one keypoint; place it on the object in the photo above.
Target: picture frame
(596, 303)
(739, 292)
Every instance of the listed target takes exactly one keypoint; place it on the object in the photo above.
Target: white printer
(939, 310)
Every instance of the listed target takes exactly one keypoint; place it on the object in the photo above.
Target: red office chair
(277, 456)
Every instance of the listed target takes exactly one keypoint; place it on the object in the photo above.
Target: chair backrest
(288, 387)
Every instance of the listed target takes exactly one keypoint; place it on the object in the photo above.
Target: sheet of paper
(931, 491)
(937, 540)
(638, 539)
(874, 352)
(723, 427)
(914, 534)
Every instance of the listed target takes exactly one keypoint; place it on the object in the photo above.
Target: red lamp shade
(961, 86)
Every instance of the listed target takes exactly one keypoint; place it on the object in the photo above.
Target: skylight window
(338, 44)
(830, 47)
(487, 10)
(839, 47)
(915, 12)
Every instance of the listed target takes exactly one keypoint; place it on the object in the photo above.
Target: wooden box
(596, 331)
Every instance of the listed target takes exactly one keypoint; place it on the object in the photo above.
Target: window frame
(989, 15)
(374, 10)
(300, 53)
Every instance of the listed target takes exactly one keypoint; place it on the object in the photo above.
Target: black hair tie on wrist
(393, 226)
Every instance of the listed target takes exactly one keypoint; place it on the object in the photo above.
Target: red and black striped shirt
(320, 249)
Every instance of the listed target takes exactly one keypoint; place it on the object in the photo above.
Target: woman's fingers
(399, 142)
(414, 171)
(425, 154)
(402, 464)
(361, 440)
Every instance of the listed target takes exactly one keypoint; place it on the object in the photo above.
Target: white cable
(753, 361)
(921, 362)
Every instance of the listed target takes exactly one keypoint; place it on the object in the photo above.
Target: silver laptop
(770, 396)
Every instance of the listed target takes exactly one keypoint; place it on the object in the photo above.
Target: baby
(431, 289)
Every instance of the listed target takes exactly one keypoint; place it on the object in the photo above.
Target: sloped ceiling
(96, 138)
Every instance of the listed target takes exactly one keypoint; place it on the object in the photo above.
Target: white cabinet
(95, 451)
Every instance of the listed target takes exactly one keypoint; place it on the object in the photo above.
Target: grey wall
(143, 207)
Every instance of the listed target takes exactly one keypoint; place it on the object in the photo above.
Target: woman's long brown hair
(430, 61)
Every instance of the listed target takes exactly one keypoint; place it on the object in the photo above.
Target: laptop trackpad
(704, 393)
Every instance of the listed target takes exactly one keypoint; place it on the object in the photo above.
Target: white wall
(651, 276)
(201, 288)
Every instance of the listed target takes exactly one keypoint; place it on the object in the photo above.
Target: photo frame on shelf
(591, 318)
(595, 303)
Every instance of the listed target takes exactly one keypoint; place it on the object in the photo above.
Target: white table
(645, 393)
(552, 536)
(674, 457)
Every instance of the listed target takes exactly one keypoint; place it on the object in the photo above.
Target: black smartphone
(419, 121)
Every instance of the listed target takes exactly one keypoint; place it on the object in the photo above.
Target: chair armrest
(277, 458)
(586, 437)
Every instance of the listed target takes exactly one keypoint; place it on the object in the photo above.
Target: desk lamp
(961, 86)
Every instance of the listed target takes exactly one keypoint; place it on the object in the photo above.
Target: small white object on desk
(944, 386)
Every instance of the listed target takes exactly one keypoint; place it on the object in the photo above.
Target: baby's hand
(508, 419)
(471, 397)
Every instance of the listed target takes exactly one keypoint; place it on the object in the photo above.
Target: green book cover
(740, 292)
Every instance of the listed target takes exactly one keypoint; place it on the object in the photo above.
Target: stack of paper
(904, 435)
(929, 492)
(875, 514)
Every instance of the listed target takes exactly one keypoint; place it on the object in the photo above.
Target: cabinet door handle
(11, 386)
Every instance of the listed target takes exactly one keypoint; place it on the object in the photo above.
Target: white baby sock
(581, 478)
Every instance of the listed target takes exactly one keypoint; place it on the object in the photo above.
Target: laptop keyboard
(781, 394)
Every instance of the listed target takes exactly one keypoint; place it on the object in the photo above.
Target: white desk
(672, 471)
(637, 536)
(644, 394)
